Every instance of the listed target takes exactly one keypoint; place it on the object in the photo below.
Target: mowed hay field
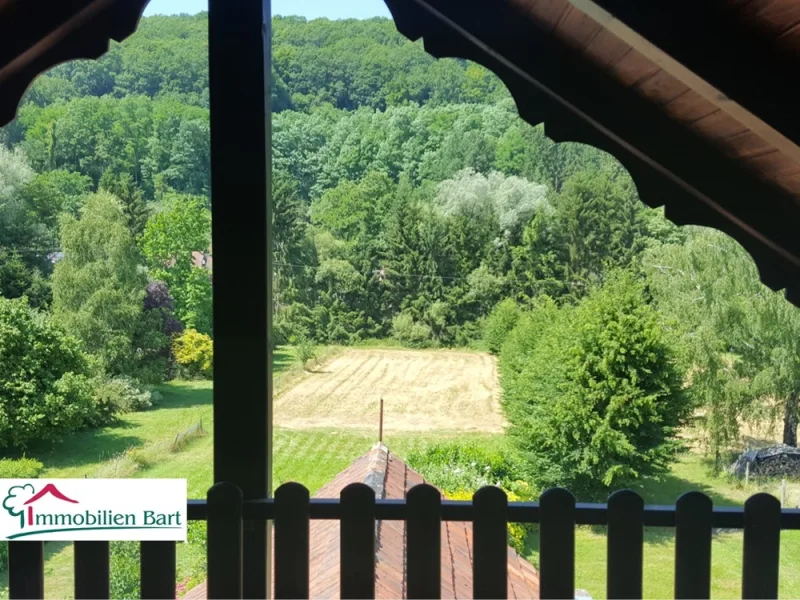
(423, 391)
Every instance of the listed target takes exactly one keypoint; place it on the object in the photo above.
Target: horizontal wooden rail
(722, 517)
(693, 518)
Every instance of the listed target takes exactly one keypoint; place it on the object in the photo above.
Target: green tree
(17, 279)
(170, 238)
(500, 322)
(135, 209)
(291, 246)
(597, 400)
(50, 193)
(99, 290)
(45, 389)
(601, 226)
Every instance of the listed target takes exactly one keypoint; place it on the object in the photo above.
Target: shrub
(462, 469)
(500, 322)
(454, 466)
(517, 532)
(410, 332)
(20, 468)
(45, 390)
(305, 350)
(123, 395)
(194, 352)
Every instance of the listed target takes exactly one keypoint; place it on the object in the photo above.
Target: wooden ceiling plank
(549, 13)
(717, 125)
(631, 69)
(577, 28)
(689, 107)
(777, 13)
(746, 144)
(773, 163)
(661, 88)
(789, 31)
(698, 53)
(606, 49)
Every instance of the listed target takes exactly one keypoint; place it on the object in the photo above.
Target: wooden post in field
(783, 492)
(380, 424)
(746, 474)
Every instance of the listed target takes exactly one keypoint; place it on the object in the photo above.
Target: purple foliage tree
(157, 297)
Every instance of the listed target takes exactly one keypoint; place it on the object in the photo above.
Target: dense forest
(409, 201)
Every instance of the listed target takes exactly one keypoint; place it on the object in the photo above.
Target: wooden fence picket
(625, 545)
(424, 542)
(762, 545)
(224, 541)
(157, 570)
(25, 570)
(357, 542)
(557, 544)
(490, 543)
(291, 541)
(693, 546)
(92, 571)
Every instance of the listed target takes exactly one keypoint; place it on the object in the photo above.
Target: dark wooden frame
(239, 59)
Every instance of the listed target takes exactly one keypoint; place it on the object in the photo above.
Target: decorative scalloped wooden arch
(672, 166)
(36, 35)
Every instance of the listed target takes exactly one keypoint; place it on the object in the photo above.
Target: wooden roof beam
(706, 47)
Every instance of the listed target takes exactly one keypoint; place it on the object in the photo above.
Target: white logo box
(93, 509)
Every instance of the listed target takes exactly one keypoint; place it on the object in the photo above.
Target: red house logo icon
(21, 497)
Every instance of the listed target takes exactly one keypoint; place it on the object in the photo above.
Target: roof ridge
(376, 472)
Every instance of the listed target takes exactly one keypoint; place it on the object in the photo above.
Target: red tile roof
(391, 478)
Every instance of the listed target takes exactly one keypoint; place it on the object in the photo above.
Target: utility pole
(380, 424)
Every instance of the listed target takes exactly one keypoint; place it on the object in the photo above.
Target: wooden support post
(239, 81)
(747, 474)
(783, 492)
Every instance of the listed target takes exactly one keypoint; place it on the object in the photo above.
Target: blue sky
(311, 9)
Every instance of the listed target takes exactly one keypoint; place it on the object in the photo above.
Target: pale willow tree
(511, 201)
(98, 287)
(741, 341)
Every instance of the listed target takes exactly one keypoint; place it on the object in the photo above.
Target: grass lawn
(313, 457)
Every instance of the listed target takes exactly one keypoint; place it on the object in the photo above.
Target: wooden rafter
(682, 73)
(730, 54)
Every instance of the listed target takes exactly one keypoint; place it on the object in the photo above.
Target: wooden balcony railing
(557, 514)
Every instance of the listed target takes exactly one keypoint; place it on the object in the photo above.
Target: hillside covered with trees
(409, 201)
